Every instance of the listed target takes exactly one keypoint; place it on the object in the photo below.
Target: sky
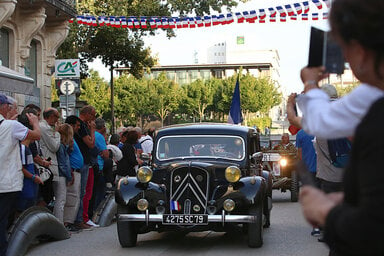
(290, 38)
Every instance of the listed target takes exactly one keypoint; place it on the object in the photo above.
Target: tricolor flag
(171, 22)
(281, 10)
(306, 7)
(107, 22)
(199, 21)
(229, 18)
(112, 21)
(325, 15)
(164, 22)
(315, 16)
(215, 22)
(283, 18)
(318, 4)
(123, 22)
(192, 22)
(252, 16)
(272, 14)
(222, 20)
(130, 22)
(136, 23)
(293, 17)
(175, 206)
(207, 21)
(143, 22)
(298, 8)
(185, 22)
(88, 20)
(240, 17)
(70, 21)
(158, 23)
(101, 20)
(178, 22)
(289, 9)
(152, 23)
(327, 3)
(235, 115)
(304, 16)
(262, 16)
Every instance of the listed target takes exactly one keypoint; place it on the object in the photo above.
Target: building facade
(31, 31)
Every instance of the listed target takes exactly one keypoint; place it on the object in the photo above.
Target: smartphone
(324, 51)
(304, 175)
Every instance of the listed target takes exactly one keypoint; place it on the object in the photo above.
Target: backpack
(339, 150)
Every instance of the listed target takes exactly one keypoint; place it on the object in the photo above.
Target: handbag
(44, 172)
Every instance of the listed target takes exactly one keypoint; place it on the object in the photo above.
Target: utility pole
(112, 103)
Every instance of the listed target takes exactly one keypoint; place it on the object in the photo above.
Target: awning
(15, 82)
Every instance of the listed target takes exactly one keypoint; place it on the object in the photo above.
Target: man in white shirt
(146, 143)
(11, 176)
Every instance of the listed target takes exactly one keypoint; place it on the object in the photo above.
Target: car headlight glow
(283, 162)
(144, 174)
(232, 174)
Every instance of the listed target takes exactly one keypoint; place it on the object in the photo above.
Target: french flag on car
(175, 206)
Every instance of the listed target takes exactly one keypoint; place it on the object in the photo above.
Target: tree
(95, 91)
(118, 46)
(164, 96)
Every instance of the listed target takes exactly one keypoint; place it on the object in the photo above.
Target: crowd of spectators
(67, 166)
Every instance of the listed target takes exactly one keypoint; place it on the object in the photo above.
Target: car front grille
(189, 190)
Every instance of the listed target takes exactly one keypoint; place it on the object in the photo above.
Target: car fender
(130, 189)
(253, 188)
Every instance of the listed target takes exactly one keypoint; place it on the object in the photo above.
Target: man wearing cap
(11, 176)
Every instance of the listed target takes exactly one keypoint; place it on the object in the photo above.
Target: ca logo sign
(67, 68)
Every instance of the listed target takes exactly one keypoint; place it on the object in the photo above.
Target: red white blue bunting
(295, 11)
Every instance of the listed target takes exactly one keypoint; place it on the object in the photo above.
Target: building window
(30, 68)
(4, 47)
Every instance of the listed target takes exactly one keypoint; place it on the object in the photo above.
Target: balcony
(55, 9)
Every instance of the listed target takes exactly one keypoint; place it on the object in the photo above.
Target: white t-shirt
(146, 144)
(11, 175)
(336, 119)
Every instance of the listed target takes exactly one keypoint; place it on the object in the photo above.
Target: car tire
(126, 230)
(294, 187)
(255, 230)
(267, 211)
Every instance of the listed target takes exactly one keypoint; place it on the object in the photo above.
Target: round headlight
(283, 162)
(229, 205)
(142, 204)
(144, 174)
(232, 174)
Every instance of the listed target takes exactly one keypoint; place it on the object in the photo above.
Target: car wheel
(255, 230)
(294, 187)
(126, 230)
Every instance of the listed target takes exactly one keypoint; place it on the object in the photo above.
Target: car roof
(206, 128)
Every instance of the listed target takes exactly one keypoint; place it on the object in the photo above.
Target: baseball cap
(330, 90)
(4, 99)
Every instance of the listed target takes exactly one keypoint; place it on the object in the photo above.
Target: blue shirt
(308, 153)
(101, 145)
(75, 157)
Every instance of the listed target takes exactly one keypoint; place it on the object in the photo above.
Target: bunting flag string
(293, 12)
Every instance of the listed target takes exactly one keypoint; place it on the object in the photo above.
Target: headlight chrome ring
(144, 174)
(232, 174)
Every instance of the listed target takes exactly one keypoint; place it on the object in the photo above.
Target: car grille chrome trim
(211, 218)
(190, 185)
(187, 206)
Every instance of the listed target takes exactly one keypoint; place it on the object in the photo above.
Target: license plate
(185, 219)
(276, 169)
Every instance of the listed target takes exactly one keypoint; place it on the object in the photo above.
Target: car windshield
(201, 146)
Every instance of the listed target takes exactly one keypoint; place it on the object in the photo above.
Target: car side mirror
(258, 157)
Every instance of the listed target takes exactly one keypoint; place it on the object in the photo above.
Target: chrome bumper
(223, 218)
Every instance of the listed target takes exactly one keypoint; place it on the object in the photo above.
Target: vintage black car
(202, 177)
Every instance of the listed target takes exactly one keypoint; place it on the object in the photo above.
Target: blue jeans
(84, 177)
(7, 206)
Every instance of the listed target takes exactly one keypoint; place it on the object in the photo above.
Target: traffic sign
(71, 101)
(67, 85)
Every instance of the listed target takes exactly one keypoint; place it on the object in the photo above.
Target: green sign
(240, 40)
(67, 68)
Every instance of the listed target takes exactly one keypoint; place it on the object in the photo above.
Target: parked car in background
(281, 164)
(202, 177)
